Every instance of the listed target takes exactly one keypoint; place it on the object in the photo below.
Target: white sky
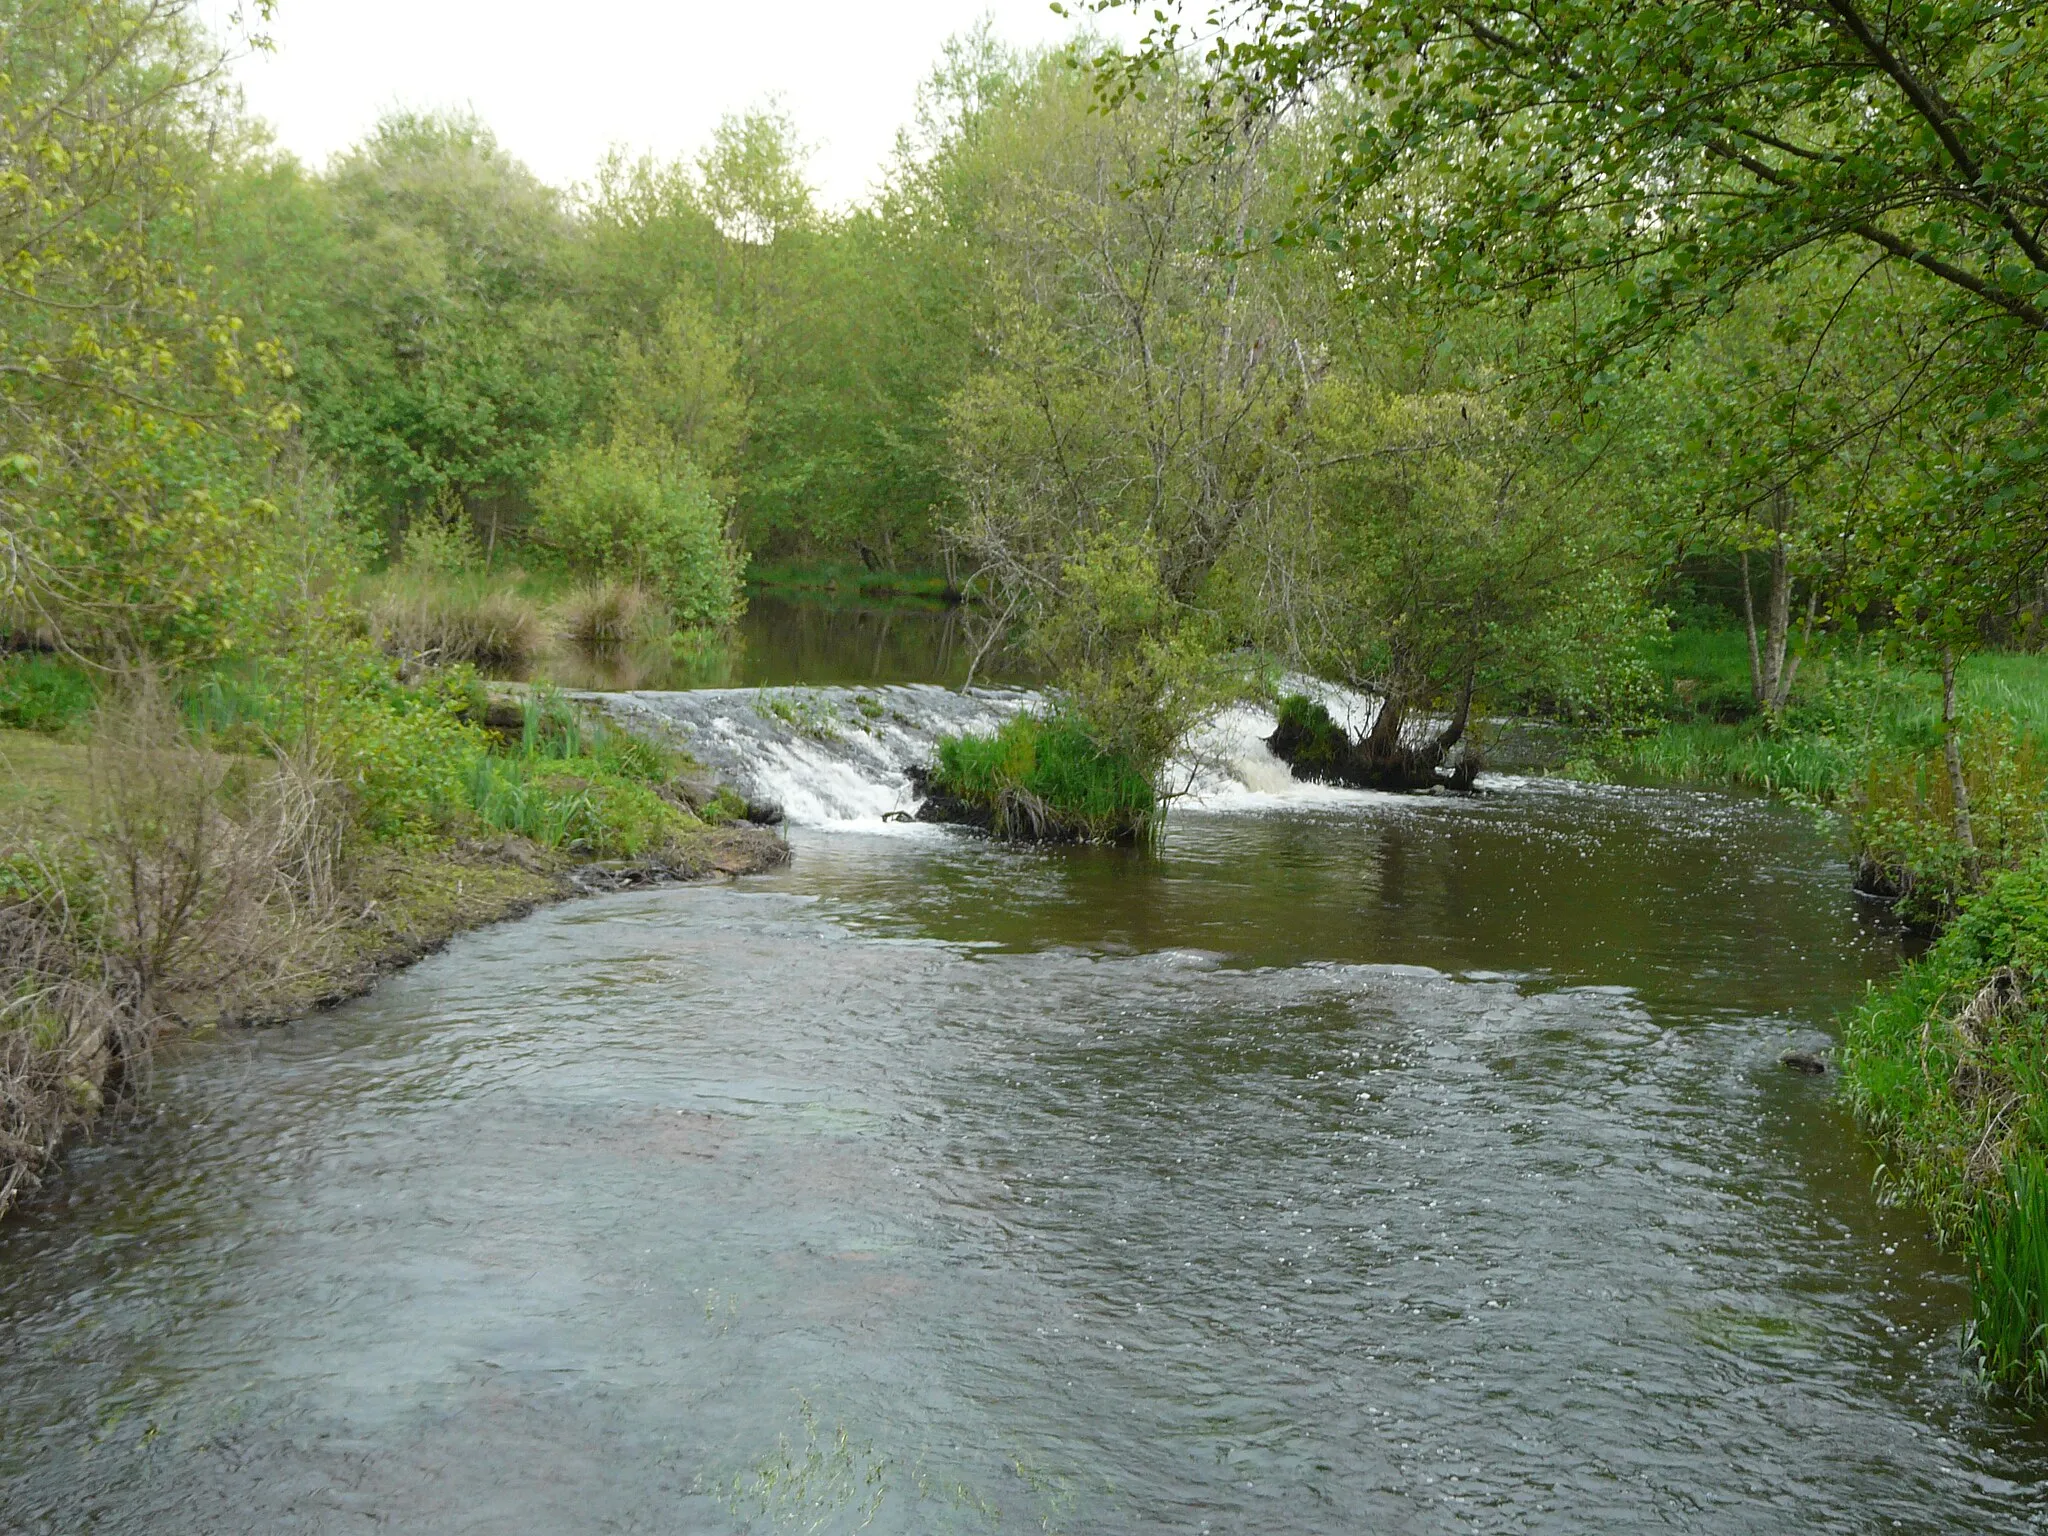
(560, 83)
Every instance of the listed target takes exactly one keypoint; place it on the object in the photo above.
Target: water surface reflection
(1399, 1166)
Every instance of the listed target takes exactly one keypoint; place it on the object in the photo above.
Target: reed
(430, 619)
(2009, 1280)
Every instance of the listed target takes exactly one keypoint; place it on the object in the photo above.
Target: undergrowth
(44, 693)
(1947, 1067)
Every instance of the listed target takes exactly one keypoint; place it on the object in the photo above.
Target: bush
(40, 693)
(1047, 779)
(622, 511)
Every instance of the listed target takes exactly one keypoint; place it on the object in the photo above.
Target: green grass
(1046, 779)
(1947, 1068)
(1811, 766)
(1705, 674)
(43, 693)
(572, 782)
(2009, 1279)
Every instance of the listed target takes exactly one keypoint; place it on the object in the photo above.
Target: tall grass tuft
(577, 783)
(1046, 779)
(434, 619)
(607, 614)
(2009, 1279)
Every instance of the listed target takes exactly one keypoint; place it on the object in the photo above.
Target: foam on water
(841, 757)
(829, 757)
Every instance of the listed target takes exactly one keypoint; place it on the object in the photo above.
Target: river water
(1353, 1164)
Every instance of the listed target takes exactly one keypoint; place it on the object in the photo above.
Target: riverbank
(156, 880)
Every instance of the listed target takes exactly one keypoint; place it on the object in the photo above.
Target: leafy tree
(677, 391)
(444, 362)
(1143, 403)
(133, 492)
(1639, 166)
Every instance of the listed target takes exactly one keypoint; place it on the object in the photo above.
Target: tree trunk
(1791, 672)
(1952, 750)
(1385, 736)
(1756, 666)
(1460, 718)
(1779, 622)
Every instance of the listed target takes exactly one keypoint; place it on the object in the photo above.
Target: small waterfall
(842, 757)
(826, 756)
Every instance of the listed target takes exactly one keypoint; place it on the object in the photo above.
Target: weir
(842, 757)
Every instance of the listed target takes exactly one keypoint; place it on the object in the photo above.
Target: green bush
(622, 512)
(406, 755)
(40, 693)
(1046, 778)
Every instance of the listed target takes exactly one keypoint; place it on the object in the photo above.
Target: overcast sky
(559, 82)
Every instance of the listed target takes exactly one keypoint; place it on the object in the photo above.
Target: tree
(1637, 167)
(1140, 406)
(133, 501)
(440, 359)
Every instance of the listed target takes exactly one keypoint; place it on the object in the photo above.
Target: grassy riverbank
(221, 852)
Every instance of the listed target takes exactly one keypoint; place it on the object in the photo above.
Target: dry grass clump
(427, 621)
(63, 1040)
(201, 884)
(605, 614)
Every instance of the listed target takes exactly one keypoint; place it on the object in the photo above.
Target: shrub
(404, 755)
(41, 693)
(1047, 778)
(621, 510)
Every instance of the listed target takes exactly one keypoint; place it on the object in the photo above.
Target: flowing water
(1353, 1164)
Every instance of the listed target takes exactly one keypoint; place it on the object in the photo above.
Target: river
(1353, 1164)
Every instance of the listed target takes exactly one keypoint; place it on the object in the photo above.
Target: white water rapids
(841, 757)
